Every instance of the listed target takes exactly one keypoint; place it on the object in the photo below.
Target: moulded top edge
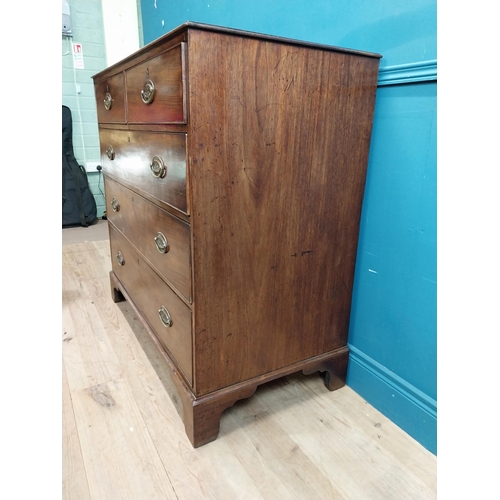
(236, 32)
(275, 38)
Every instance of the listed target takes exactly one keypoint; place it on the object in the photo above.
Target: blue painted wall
(393, 322)
(401, 31)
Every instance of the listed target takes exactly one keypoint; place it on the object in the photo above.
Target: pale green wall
(89, 30)
(87, 24)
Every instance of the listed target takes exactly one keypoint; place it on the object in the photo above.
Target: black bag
(78, 203)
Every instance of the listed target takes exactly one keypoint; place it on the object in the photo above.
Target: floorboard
(123, 437)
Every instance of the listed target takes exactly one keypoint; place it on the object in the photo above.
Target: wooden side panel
(278, 148)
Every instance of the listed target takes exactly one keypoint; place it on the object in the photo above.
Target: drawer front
(151, 294)
(160, 237)
(110, 100)
(155, 89)
(152, 162)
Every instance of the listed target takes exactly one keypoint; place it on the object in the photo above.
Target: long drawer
(165, 313)
(159, 236)
(151, 162)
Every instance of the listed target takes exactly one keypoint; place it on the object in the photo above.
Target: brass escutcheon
(115, 205)
(158, 167)
(108, 101)
(148, 92)
(161, 243)
(110, 152)
(120, 259)
(165, 317)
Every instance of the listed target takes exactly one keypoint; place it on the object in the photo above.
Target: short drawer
(161, 238)
(110, 99)
(166, 314)
(155, 89)
(152, 162)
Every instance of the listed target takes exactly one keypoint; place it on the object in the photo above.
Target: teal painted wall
(401, 31)
(87, 24)
(394, 318)
(393, 321)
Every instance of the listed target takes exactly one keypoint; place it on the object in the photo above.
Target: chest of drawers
(234, 167)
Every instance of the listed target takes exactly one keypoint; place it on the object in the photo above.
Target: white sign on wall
(78, 56)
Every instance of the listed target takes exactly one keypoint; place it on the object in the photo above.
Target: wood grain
(166, 72)
(278, 147)
(112, 427)
(74, 475)
(134, 152)
(140, 221)
(85, 344)
(115, 85)
(151, 293)
(376, 483)
(269, 174)
(270, 445)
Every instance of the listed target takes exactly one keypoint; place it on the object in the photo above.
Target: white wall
(121, 29)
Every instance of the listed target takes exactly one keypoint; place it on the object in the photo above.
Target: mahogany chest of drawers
(234, 167)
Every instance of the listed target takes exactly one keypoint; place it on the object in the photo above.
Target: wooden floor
(123, 438)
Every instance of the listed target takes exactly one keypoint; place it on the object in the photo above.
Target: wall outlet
(91, 166)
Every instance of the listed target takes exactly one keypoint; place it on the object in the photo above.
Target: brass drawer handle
(161, 243)
(115, 205)
(108, 101)
(165, 317)
(120, 259)
(110, 152)
(148, 92)
(158, 167)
